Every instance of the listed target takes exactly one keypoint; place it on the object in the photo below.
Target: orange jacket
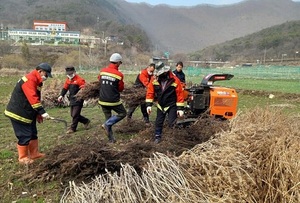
(143, 78)
(73, 85)
(168, 94)
(25, 102)
(112, 84)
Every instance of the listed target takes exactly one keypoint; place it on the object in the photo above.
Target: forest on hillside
(90, 17)
(270, 44)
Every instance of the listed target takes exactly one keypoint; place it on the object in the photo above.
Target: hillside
(270, 44)
(173, 29)
(187, 29)
(91, 17)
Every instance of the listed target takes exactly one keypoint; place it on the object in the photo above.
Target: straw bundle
(257, 160)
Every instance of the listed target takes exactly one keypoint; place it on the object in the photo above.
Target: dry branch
(90, 91)
(51, 92)
(133, 96)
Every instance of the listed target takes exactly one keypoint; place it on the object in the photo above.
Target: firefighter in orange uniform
(73, 84)
(167, 87)
(142, 80)
(111, 84)
(25, 108)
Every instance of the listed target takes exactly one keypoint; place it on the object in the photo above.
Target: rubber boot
(23, 155)
(34, 150)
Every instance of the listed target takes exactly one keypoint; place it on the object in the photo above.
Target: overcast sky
(188, 2)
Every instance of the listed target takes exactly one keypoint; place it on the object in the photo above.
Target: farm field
(70, 157)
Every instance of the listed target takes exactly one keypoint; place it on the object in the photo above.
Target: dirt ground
(92, 156)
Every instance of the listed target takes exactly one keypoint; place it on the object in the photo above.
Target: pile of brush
(50, 94)
(132, 96)
(90, 91)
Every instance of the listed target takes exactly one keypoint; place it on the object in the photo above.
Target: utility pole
(79, 57)
(265, 53)
(104, 40)
(1, 27)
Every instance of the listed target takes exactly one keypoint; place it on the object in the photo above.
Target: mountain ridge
(216, 24)
(173, 29)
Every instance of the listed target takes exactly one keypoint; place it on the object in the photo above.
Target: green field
(50, 133)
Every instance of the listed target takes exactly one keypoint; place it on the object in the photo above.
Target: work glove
(149, 109)
(60, 98)
(180, 113)
(46, 116)
(39, 119)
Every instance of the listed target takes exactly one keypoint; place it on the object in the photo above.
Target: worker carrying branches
(169, 92)
(73, 84)
(142, 81)
(111, 84)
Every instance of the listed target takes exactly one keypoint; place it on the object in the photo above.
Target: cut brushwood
(132, 96)
(90, 91)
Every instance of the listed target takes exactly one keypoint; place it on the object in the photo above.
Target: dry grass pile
(50, 93)
(257, 160)
(163, 181)
(75, 163)
(90, 91)
(52, 90)
(132, 96)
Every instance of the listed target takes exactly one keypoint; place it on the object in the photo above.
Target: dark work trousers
(119, 109)
(76, 117)
(160, 118)
(24, 132)
(143, 110)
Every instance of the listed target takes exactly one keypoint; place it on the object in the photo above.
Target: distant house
(50, 25)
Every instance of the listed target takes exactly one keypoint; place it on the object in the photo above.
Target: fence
(260, 72)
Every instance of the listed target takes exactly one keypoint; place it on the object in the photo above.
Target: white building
(35, 36)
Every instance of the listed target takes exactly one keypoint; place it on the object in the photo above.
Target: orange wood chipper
(216, 101)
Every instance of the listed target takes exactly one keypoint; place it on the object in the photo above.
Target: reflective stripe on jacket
(112, 84)
(25, 104)
(171, 94)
